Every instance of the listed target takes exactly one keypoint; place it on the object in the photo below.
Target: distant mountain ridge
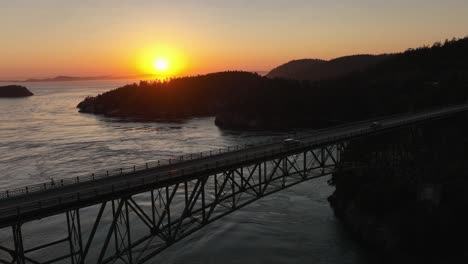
(64, 78)
(316, 69)
(68, 78)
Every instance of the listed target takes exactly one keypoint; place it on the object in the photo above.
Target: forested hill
(202, 95)
(314, 69)
(416, 79)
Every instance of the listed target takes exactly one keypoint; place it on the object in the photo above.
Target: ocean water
(44, 137)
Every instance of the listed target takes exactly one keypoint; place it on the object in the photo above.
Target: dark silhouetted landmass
(416, 79)
(14, 91)
(203, 95)
(408, 196)
(314, 70)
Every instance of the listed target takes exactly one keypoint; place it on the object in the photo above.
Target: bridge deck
(35, 205)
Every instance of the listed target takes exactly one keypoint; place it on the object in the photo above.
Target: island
(413, 80)
(14, 91)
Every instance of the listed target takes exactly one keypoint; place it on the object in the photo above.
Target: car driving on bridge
(375, 125)
(291, 142)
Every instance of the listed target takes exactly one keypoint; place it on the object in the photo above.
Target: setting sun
(161, 61)
(161, 65)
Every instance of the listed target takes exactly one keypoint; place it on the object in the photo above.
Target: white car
(375, 125)
(291, 142)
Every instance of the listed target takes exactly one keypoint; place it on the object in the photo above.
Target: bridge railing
(127, 170)
(53, 184)
(124, 170)
(130, 182)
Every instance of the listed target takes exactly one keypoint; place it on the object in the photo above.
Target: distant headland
(64, 78)
(14, 91)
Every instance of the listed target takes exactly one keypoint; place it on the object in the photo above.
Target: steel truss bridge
(134, 214)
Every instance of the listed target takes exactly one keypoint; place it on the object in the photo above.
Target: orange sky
(83, 38)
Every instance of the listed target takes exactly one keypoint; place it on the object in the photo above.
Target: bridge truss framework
(170, 212)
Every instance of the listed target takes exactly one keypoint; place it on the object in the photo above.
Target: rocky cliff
(405, 193)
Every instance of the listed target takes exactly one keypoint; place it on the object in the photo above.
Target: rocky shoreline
(408, 202)
(236, 121)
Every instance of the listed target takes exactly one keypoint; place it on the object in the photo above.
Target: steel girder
(138, 227)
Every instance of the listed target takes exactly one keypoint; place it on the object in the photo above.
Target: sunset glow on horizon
(124, 38)
(163, 61)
